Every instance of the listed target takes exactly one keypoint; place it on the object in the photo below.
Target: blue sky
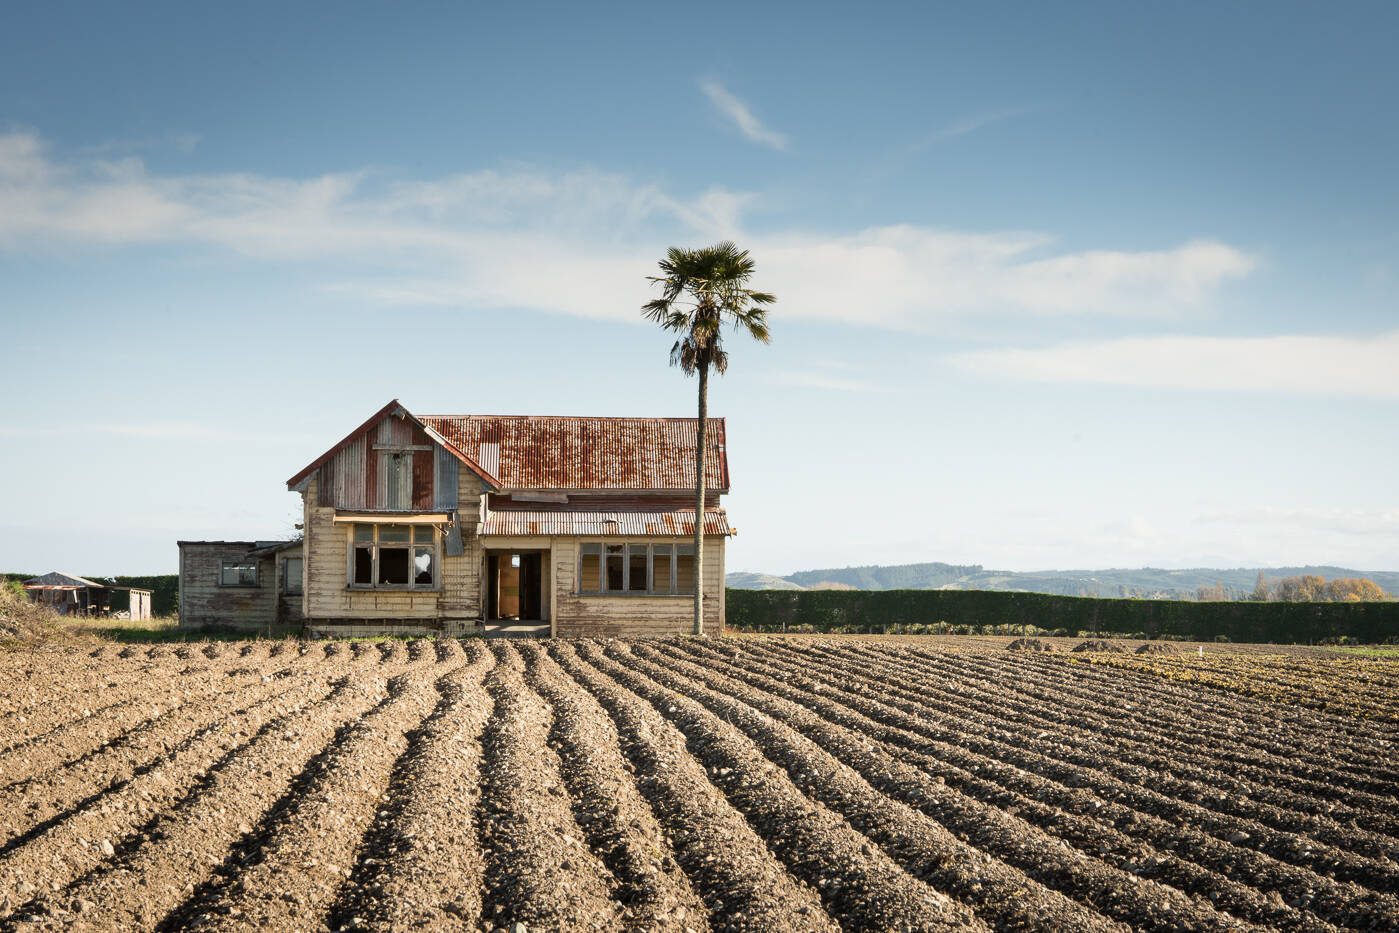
(1059, 286)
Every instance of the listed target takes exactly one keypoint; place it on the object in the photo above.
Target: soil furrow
(613, 815)
(1001, 897)
(70, 845)
(154, 868)
(296, 862)
(538, 870)
(904, 737)
(1141, 903)
(1135, 786)
(420, 865)
(743, 886)
(1168, 725)
(1349, 744)
(1038, 803)
(46, 799)
(1090, 735)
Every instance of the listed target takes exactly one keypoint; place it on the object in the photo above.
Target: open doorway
(515, 585)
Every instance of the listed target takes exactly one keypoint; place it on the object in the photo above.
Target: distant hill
(900, 577)
(758, 581)
(1144, 582)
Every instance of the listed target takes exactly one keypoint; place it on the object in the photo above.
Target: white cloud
(904, 275)
(818, 379)
(1329, 366)
(737, 111)
(579, 243)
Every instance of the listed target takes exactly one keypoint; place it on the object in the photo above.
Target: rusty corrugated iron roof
(548, 452)
(679, 522)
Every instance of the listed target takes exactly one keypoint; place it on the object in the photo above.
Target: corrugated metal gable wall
(359, 477)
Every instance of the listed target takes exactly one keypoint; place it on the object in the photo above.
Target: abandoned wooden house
(71, 595)
(452, 523)
(246, 585)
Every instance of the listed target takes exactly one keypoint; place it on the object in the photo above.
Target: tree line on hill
(1210, 585)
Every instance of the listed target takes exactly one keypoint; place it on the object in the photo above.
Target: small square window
(238, 573)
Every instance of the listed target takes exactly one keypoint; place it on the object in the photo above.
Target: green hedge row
(985, 610)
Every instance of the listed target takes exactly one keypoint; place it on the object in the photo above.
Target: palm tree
(702, 290)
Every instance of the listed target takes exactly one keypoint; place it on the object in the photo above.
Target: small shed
(71, 595)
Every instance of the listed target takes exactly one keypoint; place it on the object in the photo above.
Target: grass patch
(1364, 651)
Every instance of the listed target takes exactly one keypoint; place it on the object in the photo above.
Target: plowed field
(722, 784)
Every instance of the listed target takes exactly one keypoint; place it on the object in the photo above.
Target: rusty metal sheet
(678, 523)
(543, 452)
(444, 478)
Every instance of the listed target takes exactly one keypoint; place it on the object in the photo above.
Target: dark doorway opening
(515, 585)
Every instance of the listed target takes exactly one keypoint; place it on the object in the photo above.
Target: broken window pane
(660, 568)
(615, 569)
(393, 566)
(422, 566)
(364, 566)
(590, 569)
(636, 568)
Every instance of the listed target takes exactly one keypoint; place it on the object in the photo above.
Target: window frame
(286, 577)
(598, 548)
(413, 545)
(226, 563)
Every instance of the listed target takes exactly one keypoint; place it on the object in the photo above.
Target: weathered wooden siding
(328, 595)
(461, 575)
(612, 616)
(203, 602)
(288, 604)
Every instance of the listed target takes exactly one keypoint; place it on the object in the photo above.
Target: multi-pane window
(238, 573)
(657, 569)
(393, 557)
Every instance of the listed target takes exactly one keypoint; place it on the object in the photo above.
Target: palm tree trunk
(699, 494)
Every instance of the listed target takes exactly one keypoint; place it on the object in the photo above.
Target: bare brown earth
(745, 784)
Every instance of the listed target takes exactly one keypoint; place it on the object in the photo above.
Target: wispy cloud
(574, 242)
(1303, 365)
(737, 112)
(181, 142)
(820, 379)
(964, 126)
